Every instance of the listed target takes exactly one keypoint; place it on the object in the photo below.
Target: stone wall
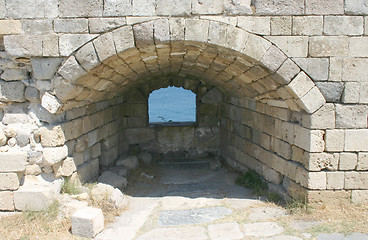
(292, 76)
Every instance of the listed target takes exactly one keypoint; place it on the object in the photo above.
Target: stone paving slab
(184, 233)
(283, 237)
(180, 203)
(340, 236)
(192, 216)
(262, 229)
(265, 213)
(225, 231)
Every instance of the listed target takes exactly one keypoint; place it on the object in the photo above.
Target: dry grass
(30, 225)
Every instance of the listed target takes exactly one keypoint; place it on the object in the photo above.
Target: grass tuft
(70, 187)
(251, 179)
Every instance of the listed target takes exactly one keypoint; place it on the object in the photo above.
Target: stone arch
(231, 58)
(258, 89)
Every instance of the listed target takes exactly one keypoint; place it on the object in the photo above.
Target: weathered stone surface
(326, 46)
(315, 7)
(70, 42)
(207, 7)
(175, 8)
(37, 193)
(12, 91)
(32, 95)
(334, 140)
(50, 103)
(25, 9)
(88, 171)
(262, 229)
(13, 162)
(66, 168)
(117, 8)
(6, 201)
(351, 116)
(9, 181)
(23, 45)
(312, 101)
(87, 222)
(335, 180)
(54, 155)
(322, 161)
(145, 157)
(362, 161)
(359, 196)
(33, 169)
(113, 179)
(323, 118)
(293, 46)
(89, 8)
(52, 136)
(354, 69)
(356, 180)
(79, 25)
(343, 25)
(316, 68)
(45, 68)
(101, 25)
(102, 191)
(130, 162)
(139, 135)
(281, 25)
(307, 25)
(289, 7)
(351, 92)
(356, 7)
(348, 161)
(14, 74)
(265, 213)
(332, 91)
(185, 233)
(257, 25)
(309, 140)
(144, 7)
(225, 231)
(3, 138)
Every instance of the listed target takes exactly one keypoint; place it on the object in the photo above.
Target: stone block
(8, 27)
(362, 161)
(359, 196)
(307, 25)
(363, 96)
(115, 8)
(331, 91)
(348, 161)
(316, 68)
(312, 101)
(32, 95)
(50, 44)
(317, 180)
(351, 116)
(139, 135)
(113, 179)
(87, 57)
(331, 197)
(50, 103)
(207, 7)
(88, 171)
(354, 69)
(356, 7)
(71, 70)
(335, 140)
(300, 85)
(323, 118)
(351, 92)
(37, 27)
(130, 162)
(196, 30)
(86, 8)
(281, 25)
(54, 155)
(309, 140)
(104, 46)
(9, 181)
(293, 46)
(14, 74)
(326, 7)
(37, 193)
(144, 7)
(87, 222)
(64, 89)
(109, 157)
(356, 139)
(52, 136)
(356, 180)
(173, 8)
(161, 31)
(6, 201)
(25, 9)
(12, 161)
(102, 25)
(270, 7)
(286, 72)
(322, 161)
(79, 25)
(68, 43)
(33, 169)
(343, 25)
(327, 46)
(273, 58)
(257, 25)
(335, 180)
(66, 168)
(358, 46)
(23, 45)
(2, 9)
(12, 91)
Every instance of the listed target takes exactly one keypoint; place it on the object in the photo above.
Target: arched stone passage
(251, 97)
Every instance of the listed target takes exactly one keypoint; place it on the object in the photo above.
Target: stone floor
(185, 203)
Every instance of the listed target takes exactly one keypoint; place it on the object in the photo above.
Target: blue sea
(172, 104)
